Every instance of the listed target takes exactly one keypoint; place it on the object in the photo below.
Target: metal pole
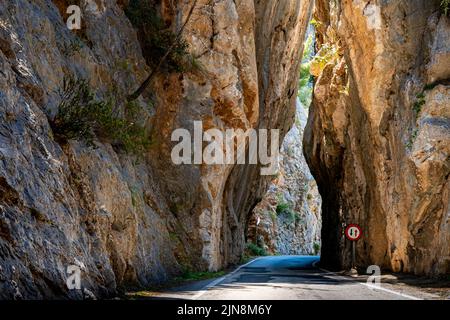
(353, 254)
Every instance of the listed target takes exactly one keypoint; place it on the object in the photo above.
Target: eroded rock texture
(128, 220)
(280, 30)
(378, 137)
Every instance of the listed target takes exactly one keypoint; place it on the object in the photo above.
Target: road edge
(220, 280)
(371, 286)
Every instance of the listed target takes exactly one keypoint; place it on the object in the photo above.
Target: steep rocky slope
(289, 213)
(130, 220)
(378, 137)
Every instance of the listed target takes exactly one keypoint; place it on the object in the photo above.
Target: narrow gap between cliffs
(287, 221)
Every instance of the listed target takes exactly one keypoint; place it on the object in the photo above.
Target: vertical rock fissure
(287, 220)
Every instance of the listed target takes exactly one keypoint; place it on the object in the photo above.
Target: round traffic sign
(353, 232)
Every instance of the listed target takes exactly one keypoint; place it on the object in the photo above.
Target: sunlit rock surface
(378, 134)
(132, 221)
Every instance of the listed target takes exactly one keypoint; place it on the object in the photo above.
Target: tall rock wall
(280, 30)
(378, 136)
(129, 220)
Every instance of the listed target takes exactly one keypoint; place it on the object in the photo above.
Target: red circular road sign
(353, 232)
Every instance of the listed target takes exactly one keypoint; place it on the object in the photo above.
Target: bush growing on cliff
(161, 47)
(445, 6)
(157, 40)
(255, 250)
(419, 103)
(282, 207)
(316, 248)
(82, 117)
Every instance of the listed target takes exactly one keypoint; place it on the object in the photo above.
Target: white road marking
(378, 287)
(369, 285)
(373, 287)
(218, 281)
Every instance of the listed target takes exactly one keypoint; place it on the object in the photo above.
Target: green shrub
(445, 6)
(244, 258)
(134, 192)
(256, 250)
(72, 47)
(412, 138)
(156, 39)
(417, 107)
(292, 216)
(316, 248)
(174, 237)
(82, 117)
(282, 207)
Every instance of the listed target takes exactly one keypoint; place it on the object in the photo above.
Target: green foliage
(134, 191)
(272, 215)
(156, 39)
(127, 131)
(315, 23)
(75, 45)
(282, 207)
(308, 52)
(413, 138)
(327, 53)
(430, 86)
(256, 250)
(316, 248)
(306, 80)
(244, 259)
(417, 107)
(82, 117)
(174, 237)
(77, 112)
(445, 6)
(293, 216)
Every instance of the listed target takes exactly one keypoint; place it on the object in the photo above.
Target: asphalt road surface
(282, 278)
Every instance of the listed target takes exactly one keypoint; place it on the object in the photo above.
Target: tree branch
(147, 81)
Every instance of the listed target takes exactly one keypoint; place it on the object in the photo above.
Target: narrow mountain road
(281, 278)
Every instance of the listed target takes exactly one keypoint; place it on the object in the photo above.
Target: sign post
(353, 233)
(353, 254)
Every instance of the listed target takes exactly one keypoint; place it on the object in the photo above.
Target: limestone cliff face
(378, 137)
(127, 220)
(280, 29)
(289, 213)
